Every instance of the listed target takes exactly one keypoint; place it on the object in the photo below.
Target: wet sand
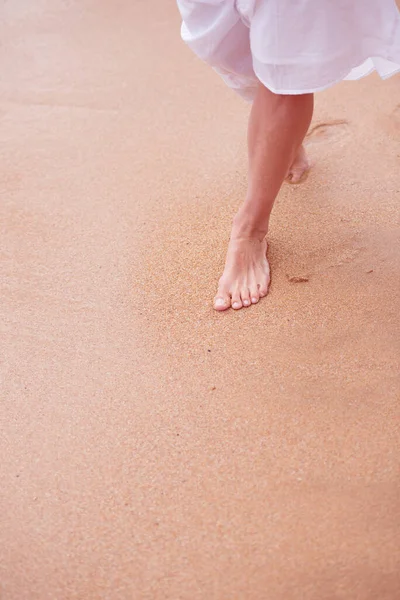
(151, 448)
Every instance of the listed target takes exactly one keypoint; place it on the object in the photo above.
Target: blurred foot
(300, 168)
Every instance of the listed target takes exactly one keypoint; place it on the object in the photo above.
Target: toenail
(235, 305)
(246, 302)
(254, 300)
(220, 302)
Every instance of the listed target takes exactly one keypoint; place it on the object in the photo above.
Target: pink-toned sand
(152, 449)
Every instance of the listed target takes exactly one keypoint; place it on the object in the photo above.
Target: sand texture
(152, 449)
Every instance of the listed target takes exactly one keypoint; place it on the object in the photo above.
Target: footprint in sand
(328, 131)
(339, 254)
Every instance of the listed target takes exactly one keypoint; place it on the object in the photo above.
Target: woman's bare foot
(300, 168)
(246, 275)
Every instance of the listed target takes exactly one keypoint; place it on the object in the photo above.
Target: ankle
(248, 227)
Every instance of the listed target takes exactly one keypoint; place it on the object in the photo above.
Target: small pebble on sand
(298, 279)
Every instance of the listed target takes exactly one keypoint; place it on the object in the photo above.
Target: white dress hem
(293, 48)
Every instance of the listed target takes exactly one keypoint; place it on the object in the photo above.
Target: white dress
(293, 46)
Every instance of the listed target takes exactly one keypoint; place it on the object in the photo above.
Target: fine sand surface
(152, 448)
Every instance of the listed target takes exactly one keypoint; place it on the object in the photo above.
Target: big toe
(222, 301)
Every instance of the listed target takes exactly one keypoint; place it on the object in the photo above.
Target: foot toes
(254, 294)
(298, 175)
(222, 301)
(295, 176)
(236, 305)
(236, 301)
(245, 296)
(263, 289)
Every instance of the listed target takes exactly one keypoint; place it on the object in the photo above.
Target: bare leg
(277, 127)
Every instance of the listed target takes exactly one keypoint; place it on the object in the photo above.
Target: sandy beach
(151, 448)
